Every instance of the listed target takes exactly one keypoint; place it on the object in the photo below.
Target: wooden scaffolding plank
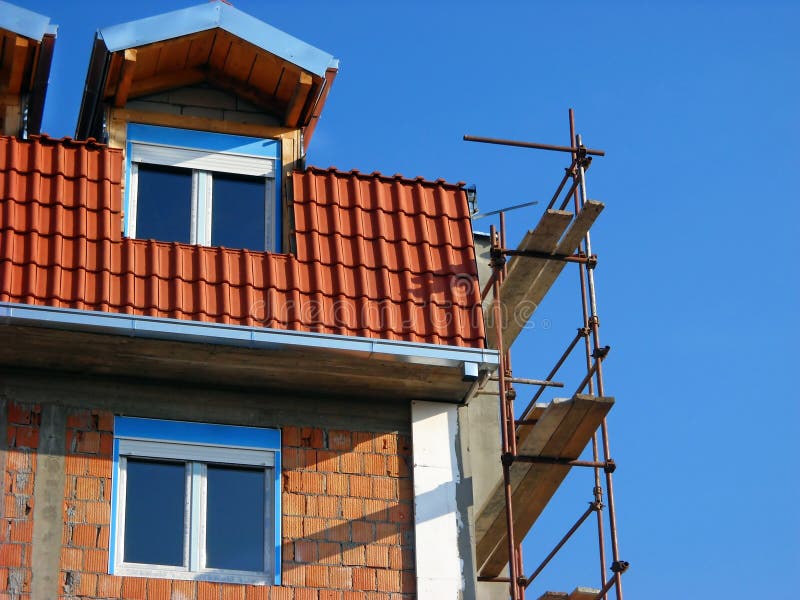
(584, 593)
(541, 274)
(563, 431)
(554, 596)
(543, 238)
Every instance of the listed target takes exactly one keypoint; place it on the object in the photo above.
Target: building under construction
(226, 374)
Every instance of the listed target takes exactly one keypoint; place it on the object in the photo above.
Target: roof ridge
(378, 175)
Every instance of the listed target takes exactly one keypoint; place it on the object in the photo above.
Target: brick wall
(19, 465)
(347, 517)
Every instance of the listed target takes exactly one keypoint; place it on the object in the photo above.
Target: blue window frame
(202, 188)
(195, 501)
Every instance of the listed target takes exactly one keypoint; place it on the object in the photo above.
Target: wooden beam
(298, 101)
(200, 123)
(543, 238)
(166, 81)
(125, 77)
(19, 56)
(564, 429)
(584, 593)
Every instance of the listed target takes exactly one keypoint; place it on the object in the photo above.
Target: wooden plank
(220, 49)
(174, 54)
(563, 432)
(17, 63)
(554, 596)
(298, 100)
(240, 60)
(147, 58)
(202, 123)
(126, 77)
(541, 274)
(266, 73)
(543, 238)
(200, 49)
(165, 81)
(584, 593)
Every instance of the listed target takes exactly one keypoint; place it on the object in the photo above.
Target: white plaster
(436, 519)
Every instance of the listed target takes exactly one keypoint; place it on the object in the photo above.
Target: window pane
(239, 211)
(164, 203)
(235, 519)
(154, 505)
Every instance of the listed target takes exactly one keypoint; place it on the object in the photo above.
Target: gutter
(474, 363)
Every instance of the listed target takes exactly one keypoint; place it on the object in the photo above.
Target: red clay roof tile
(376, 256)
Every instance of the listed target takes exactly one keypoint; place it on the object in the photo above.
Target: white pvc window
(201, 197)
(194, 510)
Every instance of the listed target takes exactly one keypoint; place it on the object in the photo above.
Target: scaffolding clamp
(610, 466)
(498, 258)
(620, 566)
(601, 353)
(507, 459)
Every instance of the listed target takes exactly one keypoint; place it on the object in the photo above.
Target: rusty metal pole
(594, 323)
(598, 487)
(497, 266)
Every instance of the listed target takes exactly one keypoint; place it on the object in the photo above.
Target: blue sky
(696, 105)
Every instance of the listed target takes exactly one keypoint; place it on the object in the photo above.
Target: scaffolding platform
(579, 593)
(529, 278)
(562, 430)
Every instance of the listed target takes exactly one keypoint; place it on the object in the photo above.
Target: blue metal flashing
(241, 336)
(24, 22)
(210, 16)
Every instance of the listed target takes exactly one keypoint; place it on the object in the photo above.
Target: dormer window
(202, 188)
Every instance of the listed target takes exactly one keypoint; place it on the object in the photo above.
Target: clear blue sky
(696, 104)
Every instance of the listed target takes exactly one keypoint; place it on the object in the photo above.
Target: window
(195, 501)
(202, 188)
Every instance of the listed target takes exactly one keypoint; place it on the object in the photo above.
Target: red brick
(340, 577)
(375, 464)
(339, 440)
(159, 589)
(408, 582)
(26, 437)
(99, 466)
(292, 481)
(186, 589)
(353, 556)
(105, 421)
(76, 465)
(87, 442)
(106, 445)
(352, 508)
(95, 561)
(102, 538)
(293, 527)
(21, 414)
(290, 436)
(294, 575)
(19, 460)
(109, 586)
(314, 528)
(396, 466)
(84, 535)
(306, 552)
(351, 462)
(388, 581)
(388, 533)
(71, 559)
(384, 487)
(311, 437)
(257, 592)
(281, 593)
(322, 506)
(316, 576)
(21, 531)
(207, 590)
(405, 489)
(403, 445)
(232, 592)
(360, 486)
(386, 443)
(80, 420)
(11, 555)
(338, 530)
(87, 584)
(377, 556)
(355, 596)
(299, 458)
(133, 588)
(287, 551)
(306, 594)
(98, 513)
(327, 461)
(362, 532)
(294, 504)
(329, 553)
(375, 510)
(313, 483)
(330, 595)
(363, 441)
(401, 513)
(88, 488)
(337, 484)
(364, 579)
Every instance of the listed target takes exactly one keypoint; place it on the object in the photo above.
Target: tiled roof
(382, 257)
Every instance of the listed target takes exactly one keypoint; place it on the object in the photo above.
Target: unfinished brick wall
(347, 508)
(19, 466)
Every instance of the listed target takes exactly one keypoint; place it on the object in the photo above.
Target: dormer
(213, 110)
(26, 50)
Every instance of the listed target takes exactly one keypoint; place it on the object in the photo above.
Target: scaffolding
(539, 449)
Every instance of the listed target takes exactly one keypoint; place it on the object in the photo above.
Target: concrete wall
(204, 101)
(347, 491)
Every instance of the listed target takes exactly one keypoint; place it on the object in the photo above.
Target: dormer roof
(26, 49)
(213, 43)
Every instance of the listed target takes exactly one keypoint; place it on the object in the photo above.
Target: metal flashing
(13, 313)
(210, 16)
(25, 22)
